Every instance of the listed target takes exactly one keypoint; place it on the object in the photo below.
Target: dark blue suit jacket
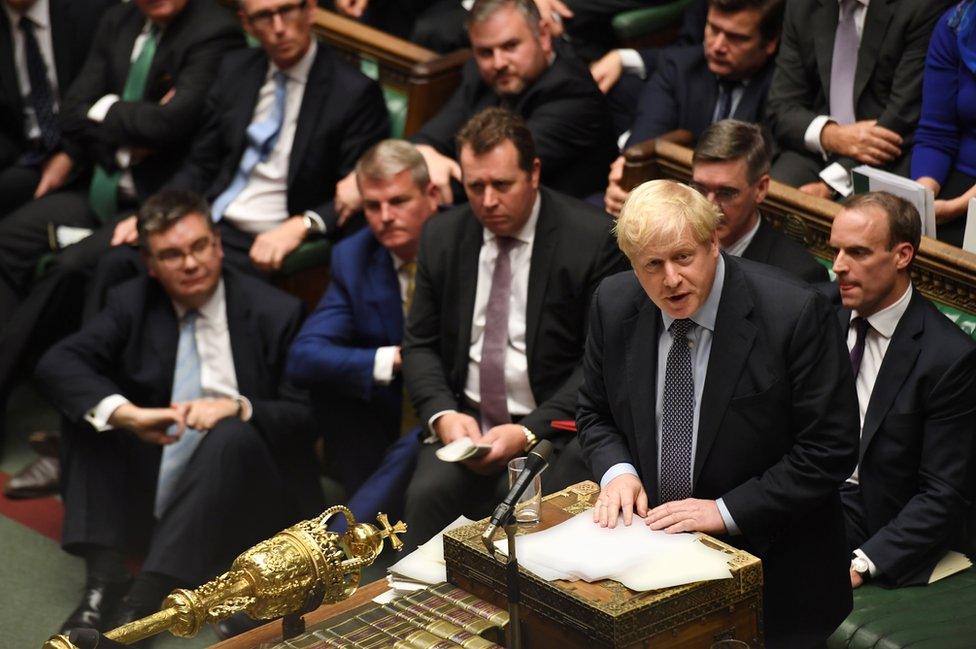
(682, 94)
(334, 351)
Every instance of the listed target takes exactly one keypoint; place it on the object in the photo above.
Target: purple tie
(494, 398)
(861, 327)
(843, 64)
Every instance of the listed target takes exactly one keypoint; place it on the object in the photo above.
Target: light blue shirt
(700, 343)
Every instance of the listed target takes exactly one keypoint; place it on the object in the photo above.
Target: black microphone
(535, 461)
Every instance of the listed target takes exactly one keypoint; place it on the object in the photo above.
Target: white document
(636, 556)
(866, 178)
(969, 238)
(949, 564)
(426, 564)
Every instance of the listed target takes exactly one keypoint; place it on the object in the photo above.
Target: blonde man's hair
(387, 158)
(657, 212)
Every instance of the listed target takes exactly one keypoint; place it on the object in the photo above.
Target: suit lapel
(162, 330)
(383, 292)
(761, 245)
(8, 74)
(316, 86)
(824, 27)
(543, 247)
(731, 344)
(898, 362)
(243, 111)
(61, 42)
(240, 328)
(469, 248)
(129, 30)
(642, 381)
(879, 14)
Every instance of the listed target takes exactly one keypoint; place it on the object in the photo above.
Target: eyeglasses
(200, 250)
(288, 13)
(721, 194)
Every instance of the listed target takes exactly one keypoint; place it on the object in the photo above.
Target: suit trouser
(17, 185)
(799, 168)
(229, 498)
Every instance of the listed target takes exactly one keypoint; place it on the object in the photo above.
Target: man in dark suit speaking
(717, 398)
(915, 373)
(495, 334)
(183, 442)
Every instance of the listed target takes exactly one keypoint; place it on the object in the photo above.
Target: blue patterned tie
(186, 387)
(677, 416)
(41, 94)
(261, 138)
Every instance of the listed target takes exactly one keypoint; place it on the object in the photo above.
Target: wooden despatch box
(570, 615)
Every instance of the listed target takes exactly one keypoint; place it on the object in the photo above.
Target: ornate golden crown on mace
(274, 578)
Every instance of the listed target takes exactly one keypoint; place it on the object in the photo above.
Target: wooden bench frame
(942, 272)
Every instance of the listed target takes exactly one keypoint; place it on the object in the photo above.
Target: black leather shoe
(40, 478)
(46, 443)
(97, 604)
(235, 625)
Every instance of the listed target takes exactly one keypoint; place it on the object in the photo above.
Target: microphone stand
(514, 639)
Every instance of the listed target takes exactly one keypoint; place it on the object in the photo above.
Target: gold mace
(274, 578)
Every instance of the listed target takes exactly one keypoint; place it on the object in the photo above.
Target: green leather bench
(655, 25)
(938, 616)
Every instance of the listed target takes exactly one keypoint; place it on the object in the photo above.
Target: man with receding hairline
(915, 373)
(716, 399)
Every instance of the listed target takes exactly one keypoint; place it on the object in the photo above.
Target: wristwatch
(860, 566)
(530, 439)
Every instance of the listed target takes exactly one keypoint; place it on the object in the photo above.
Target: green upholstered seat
(308, 255)
(939, 616)
(635, 23)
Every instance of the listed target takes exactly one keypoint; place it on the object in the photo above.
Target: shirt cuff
(633, 62)
(383, 365)
(838, 178)
(811, 139)
(873, 569)
(319, 223)
(99, 109)
(618, 469)
(99, 415)
(730, 525)
(123, 157)
(247, 410)
(431, 435)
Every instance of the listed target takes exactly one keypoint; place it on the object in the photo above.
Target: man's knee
(233, 439)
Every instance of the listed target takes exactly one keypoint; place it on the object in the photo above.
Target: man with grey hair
(348, 351)
(717, 398)
(183, 442)
(517, 65)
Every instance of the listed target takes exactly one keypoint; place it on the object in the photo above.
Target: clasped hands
(625, 494)
(507, 440)
(151, 424)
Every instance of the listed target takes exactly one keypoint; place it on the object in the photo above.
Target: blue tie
(677, 416)
(261, 138)
(186, 387)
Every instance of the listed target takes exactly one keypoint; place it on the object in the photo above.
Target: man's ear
(904, 253)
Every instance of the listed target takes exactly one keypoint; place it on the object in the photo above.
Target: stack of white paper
(424, 566)
(639, 558)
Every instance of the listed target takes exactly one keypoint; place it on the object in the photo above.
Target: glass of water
(527, 508)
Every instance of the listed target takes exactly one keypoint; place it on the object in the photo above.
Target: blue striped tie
(261, 138)
(186, 387)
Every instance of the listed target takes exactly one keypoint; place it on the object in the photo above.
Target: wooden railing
(944, 273)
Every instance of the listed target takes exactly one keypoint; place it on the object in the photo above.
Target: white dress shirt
(876, 341)
(835, 174)
(38, 14)
(263, 203)
(218, 378)
(383, 360)
(519, 392)
(739, 247)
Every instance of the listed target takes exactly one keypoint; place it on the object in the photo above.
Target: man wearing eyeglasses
(183, 440)
(730, 167)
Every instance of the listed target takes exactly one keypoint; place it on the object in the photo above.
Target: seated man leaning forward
(915, 373)
(183, 444)
(495, 334)
(348, 351)
(717, 398)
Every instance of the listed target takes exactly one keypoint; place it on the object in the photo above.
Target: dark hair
(484, 9)
(490, 128)
(731, 139)
(167, 206)
(770, 11)
(904, 222)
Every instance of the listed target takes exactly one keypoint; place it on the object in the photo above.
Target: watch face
(859, 565)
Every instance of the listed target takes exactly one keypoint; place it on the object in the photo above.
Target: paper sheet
(426, 563)
(639, 558)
